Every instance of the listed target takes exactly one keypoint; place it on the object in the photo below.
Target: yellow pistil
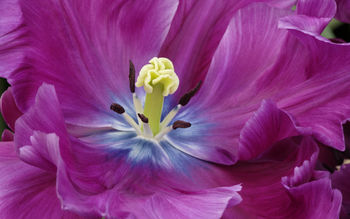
(159, 80)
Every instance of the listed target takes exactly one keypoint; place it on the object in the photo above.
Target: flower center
(159, 80)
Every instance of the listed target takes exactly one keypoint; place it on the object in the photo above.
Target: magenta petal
(281, 4)
(91, 46)
(317, 8)
(343, 10)
(42, 152)
(11, 16)
(328, 88)
(11, 37)
(26, 191)
(226, 136)
(306, 171)
(195, 33)
(7, 135)
(209, 203)
(301, 174)
(262, 191)
(266, 127)
(9, 109)
(128, 179)
(40, 130)
(311, 191)
(251, 35)
(142, 197)
(199, 28)
(316, 199)
(340, 180)
(215, 113)
(265, 194)
(313, 15)
(97, 173)
(41, 136)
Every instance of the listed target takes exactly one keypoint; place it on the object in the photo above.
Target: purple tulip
(258, 87)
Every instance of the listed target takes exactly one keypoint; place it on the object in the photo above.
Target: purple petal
(7, 135)
(86, 55)
(317, 8)
(312, 15)
(199, 28)
(315, 199)
(311, 191)
(40, 130)
(343, 10)
(312, 24)
(194, 35)
(11, 37)
(89, 174)
(9, 109)
(218, 138)
(251, 35)
(264, 194)
(26, 191)
(214, 116)
(321, 73)
(133, 185)
(303, 173)
(41, 136)
(340, 180)
(42, 152)
(209, 203)
(281, 4)
(327, 86)
(266, 127)
(11, 16)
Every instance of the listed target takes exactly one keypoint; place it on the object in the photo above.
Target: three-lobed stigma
(159, 72)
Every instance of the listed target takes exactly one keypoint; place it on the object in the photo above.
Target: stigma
(159, 72)
(158, 78)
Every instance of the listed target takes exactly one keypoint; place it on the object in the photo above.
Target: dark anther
(132, 76)
(187, 96)
(143, 118)
(181, 124)
(117, 108)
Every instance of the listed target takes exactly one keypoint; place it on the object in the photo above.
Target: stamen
(187, 96)
(181, 124)
(146, 128)
(170, 116)
(185, 99)
(120, 110)
(177, 124)
(136, 100)
(143, 118)
(138, 106)
(132, 76)
(117, 108)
